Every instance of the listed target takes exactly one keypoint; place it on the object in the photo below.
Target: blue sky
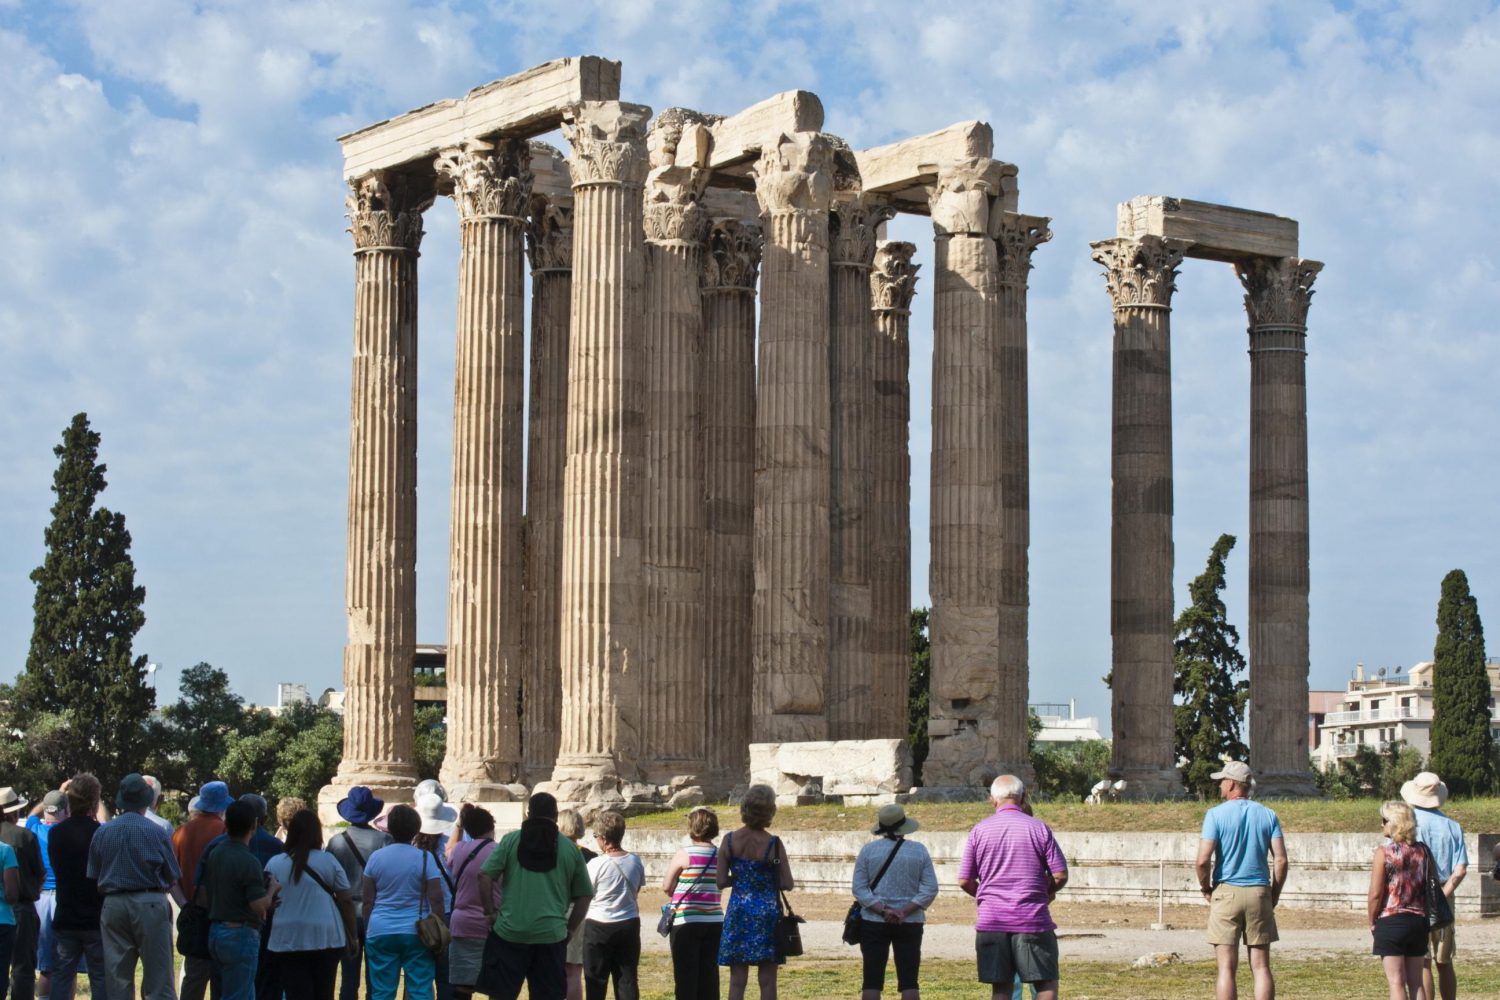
(177, 266)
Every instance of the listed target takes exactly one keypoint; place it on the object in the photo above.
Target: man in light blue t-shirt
(1445, 839)
(1240, 886)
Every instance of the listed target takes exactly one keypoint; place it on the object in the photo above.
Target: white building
(1382, 709)
(1061, 724)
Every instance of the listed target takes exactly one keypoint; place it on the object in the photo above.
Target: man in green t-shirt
(547, 893)
(239, 894)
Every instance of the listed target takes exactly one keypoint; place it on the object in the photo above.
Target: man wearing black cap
(29, 875)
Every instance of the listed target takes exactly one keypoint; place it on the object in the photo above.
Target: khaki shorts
(1236, 911)
(1440, 945)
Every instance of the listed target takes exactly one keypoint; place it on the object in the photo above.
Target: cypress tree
(1461, 743)
(87, 613)
(1207, 664)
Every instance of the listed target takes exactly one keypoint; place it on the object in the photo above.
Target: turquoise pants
(388, 955)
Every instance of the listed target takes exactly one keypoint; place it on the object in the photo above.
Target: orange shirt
(188, 843)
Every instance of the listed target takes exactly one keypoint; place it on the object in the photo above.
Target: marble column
(385, 212)
(674, 733)
(1140, 276)
(1016, 236)
(731, 264)
(1277, 294)
(603, 481)
(789, 631)
(964, 720)
(852, 225)
(550, 244)
(490, 183)
(893, 281)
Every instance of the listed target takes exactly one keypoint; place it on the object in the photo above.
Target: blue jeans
(235, 952)
(387, 956)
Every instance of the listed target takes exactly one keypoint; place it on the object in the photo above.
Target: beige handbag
(432, 931)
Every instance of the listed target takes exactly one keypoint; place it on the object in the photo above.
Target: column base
(481, 774)
(1286, 785)
(1149, 784)
(391, 791)
(969, 757)
(592, 786)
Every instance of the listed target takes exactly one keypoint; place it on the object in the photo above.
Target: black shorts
(1003, 956)
(877, 939)
(1403, 934)
(508, 964)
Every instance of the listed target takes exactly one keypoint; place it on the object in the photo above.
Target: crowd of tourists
(422, 897)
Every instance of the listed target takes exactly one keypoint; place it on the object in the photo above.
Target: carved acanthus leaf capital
(678, 147)
(609, 142)
(795, 174)
(1278, 290)
(549, 234)
(733, 256)
(385, 211)
(1016, 237)
(487, 179)
(1140, 271)
(852, 224)
(964, 195)
(893, 280)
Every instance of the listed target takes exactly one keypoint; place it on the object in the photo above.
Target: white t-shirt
(307, 919)
(616, 883)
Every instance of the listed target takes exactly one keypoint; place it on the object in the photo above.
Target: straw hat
(893, 821)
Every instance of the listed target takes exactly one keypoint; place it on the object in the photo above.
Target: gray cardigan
(910, 878)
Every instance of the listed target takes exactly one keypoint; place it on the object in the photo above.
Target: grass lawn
(1317, 816)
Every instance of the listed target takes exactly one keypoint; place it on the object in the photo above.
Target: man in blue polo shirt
(1241, 889)
(1445, 839)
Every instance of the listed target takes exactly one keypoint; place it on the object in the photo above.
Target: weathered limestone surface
(490, 183)
(858, 771)
(964, 577)
(550, 244)
(1016, 237)
(738, 138)
(902, 171)
(603, 516)
(1212, 232)
(385, 214)
(730, 266)
(1140, 275)
(791, 548)
(892, 283)
(1277, 294)
(675, 687)
(526, 104)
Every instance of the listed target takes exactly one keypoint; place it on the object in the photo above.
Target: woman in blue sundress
(754, 864)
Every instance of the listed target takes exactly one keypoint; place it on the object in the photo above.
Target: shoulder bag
(788, 936)
(192, 921)
(669, 910)
(431, 930)
(1439, 909)
(855, 917)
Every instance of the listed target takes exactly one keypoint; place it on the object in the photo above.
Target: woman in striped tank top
(697, 917)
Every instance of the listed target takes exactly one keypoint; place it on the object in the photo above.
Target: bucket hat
(360, 805)
(214, 797)
(134, 794)
(1425, 791)
(437, 815)
(893, 821)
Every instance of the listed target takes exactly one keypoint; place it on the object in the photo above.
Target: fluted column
(964, 721)
(1140, 275)
(731, 264)
(892, 283)
(550, 244)
(603, 516)
(385, 213)
(789, 632)
(1277, 294)
(1016, 237)
(675, 736)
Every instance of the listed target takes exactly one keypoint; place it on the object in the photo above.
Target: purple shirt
(1011, 854)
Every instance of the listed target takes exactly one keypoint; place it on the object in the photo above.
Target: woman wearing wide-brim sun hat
(894, 883)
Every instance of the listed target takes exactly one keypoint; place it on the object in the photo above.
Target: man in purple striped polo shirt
(1013, 867)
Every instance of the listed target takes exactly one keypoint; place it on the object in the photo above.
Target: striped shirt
(1010, 855)
(695, 900)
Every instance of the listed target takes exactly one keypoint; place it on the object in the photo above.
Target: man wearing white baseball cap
(1241, 889)
(1445, 839)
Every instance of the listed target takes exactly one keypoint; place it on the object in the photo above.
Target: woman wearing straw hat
(894, 882)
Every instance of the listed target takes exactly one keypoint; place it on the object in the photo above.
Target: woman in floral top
(1397, 902)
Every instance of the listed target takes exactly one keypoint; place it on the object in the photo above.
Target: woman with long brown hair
(314, 924)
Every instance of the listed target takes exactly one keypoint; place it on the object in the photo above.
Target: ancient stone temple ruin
(694, 533)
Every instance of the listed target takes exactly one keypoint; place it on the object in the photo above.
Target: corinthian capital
(609, 142)
(1140, 271)
(964, 195)
(893, 280)
(795, 174)
(678, 149)
(851, 229)
(549, 234)
(487, 179)
(385, 211)
(1016, 236)
(733, 257)
(1278, 290)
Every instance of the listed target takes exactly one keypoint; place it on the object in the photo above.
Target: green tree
(919, 684)
(87, 612)
(1462, 748)
(1207, 664)
(1368, 773)
(206, 714)
(293, 753)
(1068, 771)
(430, 740)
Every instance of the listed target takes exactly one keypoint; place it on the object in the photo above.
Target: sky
(177, 266)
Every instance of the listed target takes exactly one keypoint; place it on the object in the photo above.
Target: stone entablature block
(859, 772)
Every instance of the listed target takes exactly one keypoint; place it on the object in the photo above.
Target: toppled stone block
(817, 771)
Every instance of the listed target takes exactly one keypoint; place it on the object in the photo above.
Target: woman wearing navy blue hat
(353, 847)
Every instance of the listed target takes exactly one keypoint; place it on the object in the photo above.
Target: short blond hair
(758, 807)
(1403, 821)
(570, 824)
